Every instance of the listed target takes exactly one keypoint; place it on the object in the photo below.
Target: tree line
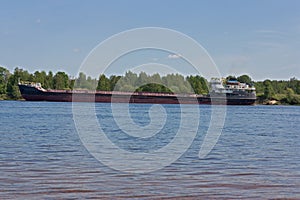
(282, 91)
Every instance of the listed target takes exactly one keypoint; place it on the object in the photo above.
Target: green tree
(155, 78)
(104, 83)
(92, 83)
(291, 97)
(268, 90)
(130, 78)
(294, 84)
(113, 82)
(244, 79)
(279, 86)
(198, 84)
(290, 94)
(4, 76)
(81, 81)
(61, 81)
(12, 89)
(49, 81)
(40, 77)
(127, 88)
(259, 86)
(230, 77)
(204, 84)
(142, 79)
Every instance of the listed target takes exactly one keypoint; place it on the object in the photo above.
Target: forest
(286, 92)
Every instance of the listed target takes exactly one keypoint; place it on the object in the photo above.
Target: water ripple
(41, 157)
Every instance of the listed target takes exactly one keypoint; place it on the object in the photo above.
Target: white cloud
(174, 56)
(38, 21)
(270, 34)
(266, 31)
(76, 50)
(264, 44)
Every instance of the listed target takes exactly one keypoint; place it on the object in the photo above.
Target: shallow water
(42, 157)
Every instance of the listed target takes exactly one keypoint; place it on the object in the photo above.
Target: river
(42, 156)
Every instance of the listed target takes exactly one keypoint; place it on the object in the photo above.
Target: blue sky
(255, 37)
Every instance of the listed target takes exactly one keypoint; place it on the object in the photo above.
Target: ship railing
(32, 84)
(29, 83)
(126, 93)
(147, 94)
(136, 93)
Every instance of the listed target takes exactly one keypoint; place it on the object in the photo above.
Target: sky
(260, 38)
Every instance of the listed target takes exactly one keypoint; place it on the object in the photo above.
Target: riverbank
(279, 99)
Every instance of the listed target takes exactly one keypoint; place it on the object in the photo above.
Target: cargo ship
(230, 93)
